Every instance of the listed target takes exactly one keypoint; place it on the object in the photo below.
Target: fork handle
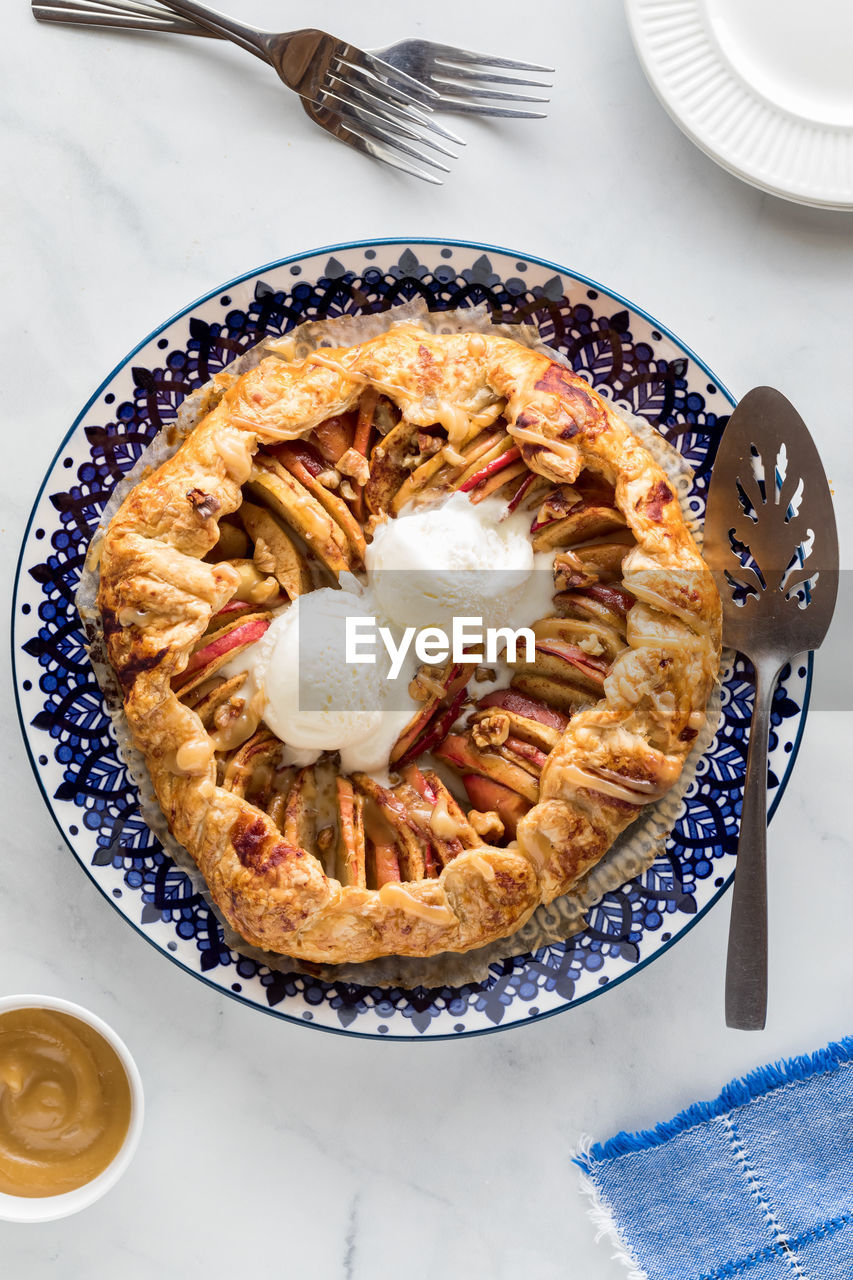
(746, 966)
(249, 38)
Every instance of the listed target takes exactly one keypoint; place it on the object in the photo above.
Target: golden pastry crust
(157, 596)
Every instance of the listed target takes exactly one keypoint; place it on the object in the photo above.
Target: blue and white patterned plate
(67, 731)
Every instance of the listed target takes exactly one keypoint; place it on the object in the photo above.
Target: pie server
(771, 542)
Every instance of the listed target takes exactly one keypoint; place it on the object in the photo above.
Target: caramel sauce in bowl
(71, 1108)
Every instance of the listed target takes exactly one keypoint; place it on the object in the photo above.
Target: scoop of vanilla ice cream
(314, 700)
(453, 560)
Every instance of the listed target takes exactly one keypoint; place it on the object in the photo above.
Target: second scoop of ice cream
(443, 562)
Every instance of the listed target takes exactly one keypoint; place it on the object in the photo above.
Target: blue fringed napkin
(758, 1183)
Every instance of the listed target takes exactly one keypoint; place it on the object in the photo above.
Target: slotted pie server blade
(771, 541)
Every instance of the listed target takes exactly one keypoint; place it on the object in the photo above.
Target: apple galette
(415, 478)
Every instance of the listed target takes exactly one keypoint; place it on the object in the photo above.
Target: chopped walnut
(354, 464)
(325, 839)
(491, 731)
(229, 711)
(488, 825)
(428, 444)
(347, 490)
(263, 558)
(329, 479)
(591, 645)
(204, 503)
(425, 685)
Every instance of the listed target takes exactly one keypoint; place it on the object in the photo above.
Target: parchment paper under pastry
(632, 852)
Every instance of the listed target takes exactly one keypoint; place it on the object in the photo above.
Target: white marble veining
(141, 171)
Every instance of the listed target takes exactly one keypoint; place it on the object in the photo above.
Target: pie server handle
(746, 966)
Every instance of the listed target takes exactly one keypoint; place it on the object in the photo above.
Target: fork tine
(462, 107)
(470, 76)
(466, 94)
(367, 145)
(353, 114)
(420, 111)
(352, 135)
(401, 122)
(390, 113)
(470, 58)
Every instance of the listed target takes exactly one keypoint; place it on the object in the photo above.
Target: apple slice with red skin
(496, 482)
(413, 776)
(458, 750)
(585, 608)
(511, 700)
(250, 770)
(503, 460)
(388, 470)
(437, 728)
(291, 501)
(582, 523)
(382, 864)
(432, 719)
(569, 698)
(218, 650)
(616, 598)
(529, 755)
(487, 795)
(333, 437)
(430, 789)
(520, 492)
(233, 607)
(590, 669)
(300, 814)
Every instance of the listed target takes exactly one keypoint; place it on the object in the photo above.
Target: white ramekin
(48, 1208)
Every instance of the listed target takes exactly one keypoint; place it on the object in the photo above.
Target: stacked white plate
(764, 87)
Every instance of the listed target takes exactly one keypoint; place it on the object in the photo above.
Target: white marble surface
(139, 172)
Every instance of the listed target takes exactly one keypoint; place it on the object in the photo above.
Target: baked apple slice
(214, 650)
(446, 694)
(251, 770)
(307, 467)
(277, 489)
(568, 515)
(289, 566)
(407, 836)
(382, 862)
(351, 854)
(459, 751)
(388, 466)
(488, 796)
(441, 475)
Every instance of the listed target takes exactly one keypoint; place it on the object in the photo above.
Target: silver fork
(359, 99)
(461, 79)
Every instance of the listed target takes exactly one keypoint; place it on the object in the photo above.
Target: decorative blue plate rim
(223, 289)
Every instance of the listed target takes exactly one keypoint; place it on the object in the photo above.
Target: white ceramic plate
(764, 87)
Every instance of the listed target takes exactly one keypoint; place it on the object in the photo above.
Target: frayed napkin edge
(757, 1083)
(601, 1215)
